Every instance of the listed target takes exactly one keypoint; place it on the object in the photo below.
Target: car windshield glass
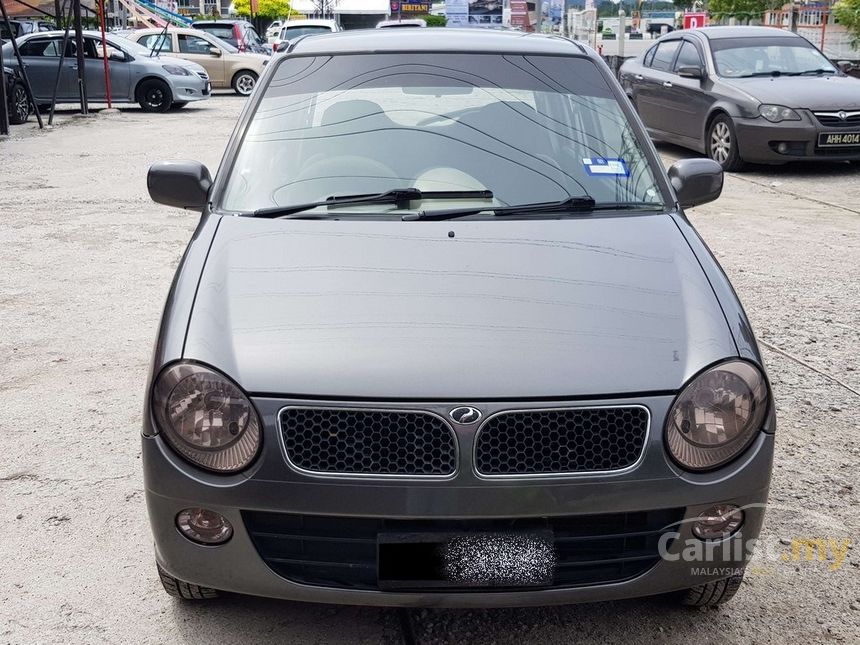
(772, 56)
(224, 32)
(295, 32)
(527, 128)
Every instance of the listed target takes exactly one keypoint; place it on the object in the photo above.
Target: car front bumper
(759, 141)
(271, 486)
(190, 88)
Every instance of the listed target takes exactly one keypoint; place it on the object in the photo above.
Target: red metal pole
(101, 6)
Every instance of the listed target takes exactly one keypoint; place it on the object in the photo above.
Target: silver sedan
(157, 83)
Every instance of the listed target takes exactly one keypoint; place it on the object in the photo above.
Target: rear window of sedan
(527, 128)
(308, 30)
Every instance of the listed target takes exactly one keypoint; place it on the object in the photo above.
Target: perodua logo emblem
(842, 114)
(465, 415)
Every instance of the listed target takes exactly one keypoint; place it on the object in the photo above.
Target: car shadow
(233, 618)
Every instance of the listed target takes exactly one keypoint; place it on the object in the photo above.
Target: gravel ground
(87, 260)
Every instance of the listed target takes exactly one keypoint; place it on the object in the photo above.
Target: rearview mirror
(214, 51)
(183, 184)
(691, 71)
(696, 181)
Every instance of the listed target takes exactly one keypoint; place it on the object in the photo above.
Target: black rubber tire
(244, 82)
(712, 593)
(154, 95)
(184, 590)
(178, 105)
(19, 105)
(723, 129)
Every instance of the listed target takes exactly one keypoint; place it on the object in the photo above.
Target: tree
(847, 12)
(743, 10)
(269, 9)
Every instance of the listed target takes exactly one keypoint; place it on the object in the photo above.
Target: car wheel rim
(154, 97)
(22, 106)
(721, 142)
(245, 84)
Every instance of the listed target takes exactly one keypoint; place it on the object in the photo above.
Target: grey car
(746, 94)
(157, 83)
(444, 337)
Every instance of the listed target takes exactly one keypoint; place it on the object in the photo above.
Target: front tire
(184, 590)
(712, 594)
(19, 105)
(244, 82)
(722, 144)
(154, 95)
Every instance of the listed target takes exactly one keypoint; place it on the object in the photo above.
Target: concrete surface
(86, 262)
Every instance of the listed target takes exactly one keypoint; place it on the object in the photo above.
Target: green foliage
(269, 9)
(742, 10)
(434, 21)
(847, 12)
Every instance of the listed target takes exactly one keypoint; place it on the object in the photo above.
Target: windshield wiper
(579, 205)
(400, 197)
(818, 71)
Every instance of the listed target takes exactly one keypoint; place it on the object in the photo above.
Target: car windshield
(527, 128)
(224, 32)
(772, 56)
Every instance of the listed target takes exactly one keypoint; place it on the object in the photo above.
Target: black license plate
(835, 139)
(466, 560)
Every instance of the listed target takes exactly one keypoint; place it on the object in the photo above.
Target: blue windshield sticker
(606, 167)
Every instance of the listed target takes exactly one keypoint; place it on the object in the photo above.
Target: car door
(95, 72)
(41, 56)
(198, 49)
(687, 98)
(650, 99)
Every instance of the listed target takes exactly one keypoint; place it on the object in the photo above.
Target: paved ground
(86, 262)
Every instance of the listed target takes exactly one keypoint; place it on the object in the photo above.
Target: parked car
(223, 63)
(273, 30)
(404, 22)
(239, 33)
(157, 83)
(17, 104)
(444, 336)
(292, 29)
(18, 28)
(746, 94)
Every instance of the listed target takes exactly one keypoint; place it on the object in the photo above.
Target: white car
(310, 27)
(273, 30)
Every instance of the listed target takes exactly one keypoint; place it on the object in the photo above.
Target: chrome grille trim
(566, 474)
(281, 431)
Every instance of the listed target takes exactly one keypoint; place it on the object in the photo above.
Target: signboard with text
(457, 13)
(694, 20)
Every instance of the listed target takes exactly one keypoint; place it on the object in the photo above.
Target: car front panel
(274, 499)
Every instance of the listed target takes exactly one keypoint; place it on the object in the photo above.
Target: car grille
(575, 440)
(370, 442)
(831, 119)
(342, 552)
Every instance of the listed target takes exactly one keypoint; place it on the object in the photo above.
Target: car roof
(715, 33)
(437, 40)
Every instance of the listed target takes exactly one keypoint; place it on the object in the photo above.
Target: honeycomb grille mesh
(368, 441)
(561, 441)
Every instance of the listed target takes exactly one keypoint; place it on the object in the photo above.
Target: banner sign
(520, 15)
(457, 13)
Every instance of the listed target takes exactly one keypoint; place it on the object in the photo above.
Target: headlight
(777, 113)
(205, 417)
(717, 415)
(176, 70)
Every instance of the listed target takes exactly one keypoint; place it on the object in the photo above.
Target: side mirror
(696, 181)
(183, 184)
(117, 55)
(692, 71)
(214, 51)
(282, 46)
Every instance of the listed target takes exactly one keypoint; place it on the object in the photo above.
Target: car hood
(810, 92)
(508, 309)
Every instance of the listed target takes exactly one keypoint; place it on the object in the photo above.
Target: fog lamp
(204, 526)
(718, 522)
(782, 147)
